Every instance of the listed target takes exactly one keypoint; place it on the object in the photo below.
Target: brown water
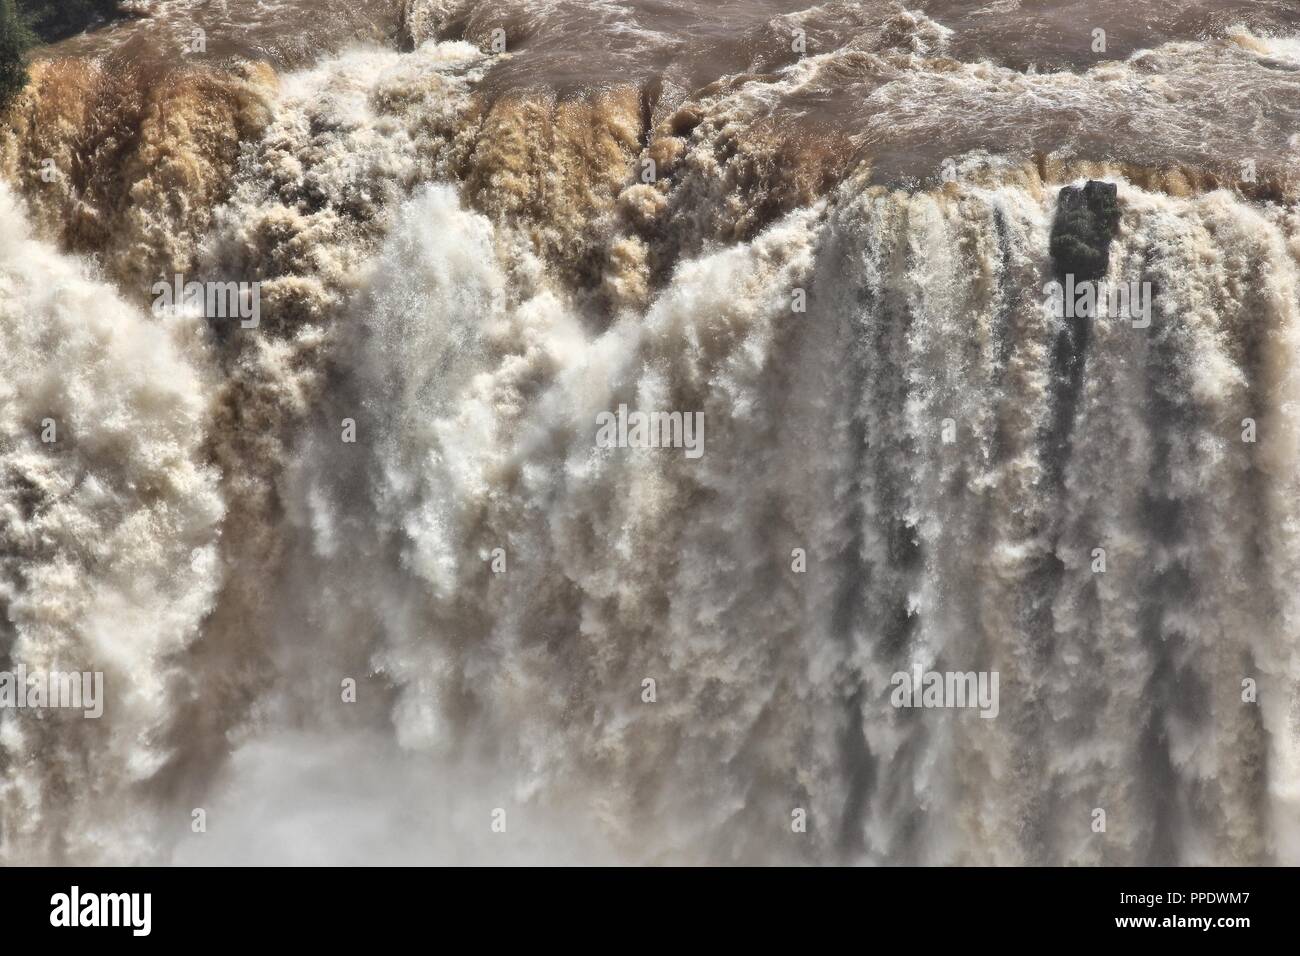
(907, 86)
(285, 33)
(462, 255)
(582, 44)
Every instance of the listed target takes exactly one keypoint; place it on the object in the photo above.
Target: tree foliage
(25, 22)
(15, 38)
(53, 20)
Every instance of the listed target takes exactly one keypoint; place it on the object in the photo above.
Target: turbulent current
(365, 585)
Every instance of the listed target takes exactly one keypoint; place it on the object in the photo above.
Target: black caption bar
(168, 906)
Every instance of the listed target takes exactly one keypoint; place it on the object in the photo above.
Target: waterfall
(361, 578)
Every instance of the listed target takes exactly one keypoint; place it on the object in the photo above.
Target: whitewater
(363, 575)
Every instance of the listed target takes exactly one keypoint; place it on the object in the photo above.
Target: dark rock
(1086, 222)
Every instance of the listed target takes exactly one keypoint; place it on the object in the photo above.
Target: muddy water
(285, 33)
(458, 253)
(1191, 84)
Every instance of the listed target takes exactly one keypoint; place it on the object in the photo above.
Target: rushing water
(459, 252)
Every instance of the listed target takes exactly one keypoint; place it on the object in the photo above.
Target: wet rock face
(1086, 221)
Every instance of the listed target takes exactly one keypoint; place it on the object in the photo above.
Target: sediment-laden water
(830, 231)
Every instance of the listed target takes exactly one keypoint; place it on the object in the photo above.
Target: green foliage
(55, 19)
(25, 22)
(15, 38)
